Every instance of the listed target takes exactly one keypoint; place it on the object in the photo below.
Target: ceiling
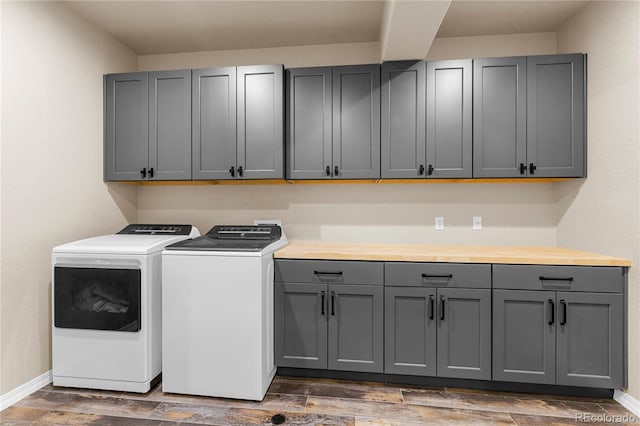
(156, 27)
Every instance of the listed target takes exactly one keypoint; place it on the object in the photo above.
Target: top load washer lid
(232, 238)
(128, 241)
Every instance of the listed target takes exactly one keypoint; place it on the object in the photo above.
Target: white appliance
(217, 306)
(106, 297)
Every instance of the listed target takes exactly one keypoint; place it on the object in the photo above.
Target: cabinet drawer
(600, 279)
(329, 271)
(437, 275)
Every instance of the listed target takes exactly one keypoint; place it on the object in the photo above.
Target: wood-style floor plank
(305, 401)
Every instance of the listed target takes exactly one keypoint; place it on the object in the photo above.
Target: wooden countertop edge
(515, 255)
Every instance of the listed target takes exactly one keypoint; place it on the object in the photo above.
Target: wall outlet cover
(476, 223)
(439, 223)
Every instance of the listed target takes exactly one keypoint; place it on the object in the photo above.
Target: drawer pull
(553, 312)
(322, 304)
(333, 303)
(448, 276)
(327, 273)
(563, 321)
(431, 307)
(556, 278)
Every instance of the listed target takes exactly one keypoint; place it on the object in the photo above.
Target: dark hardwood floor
(313, 402)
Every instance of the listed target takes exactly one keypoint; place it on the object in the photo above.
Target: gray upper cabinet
(499, 117)
(260, 122)
(356, 122)
(238, 122)
(309, 137)
(333, 128)
(214, 123)
(147, 126)
(449, 119)
(170, 125)
(126, 131)
(529, 117)
(555, 115)
(402, 114)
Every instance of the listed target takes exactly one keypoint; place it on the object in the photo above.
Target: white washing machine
(217, 306)
(106, 297)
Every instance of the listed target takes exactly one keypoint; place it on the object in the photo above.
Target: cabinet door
(410, 331)
(449, 148)
(356, 328)
(170, 125)
(214, 123)
(590, 340)
(403, 119)
(301, 325)
(356, 122)
(464, 333)
(555, 115)
(499, 117)
(524, 336)
(309, 123)
(260, 122)
(126, 142)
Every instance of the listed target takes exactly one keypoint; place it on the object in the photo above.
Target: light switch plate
(439, 223)
(476, 223)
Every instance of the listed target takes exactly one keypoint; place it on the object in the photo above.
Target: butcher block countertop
(446, 253)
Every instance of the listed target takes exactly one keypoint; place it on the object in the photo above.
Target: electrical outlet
(439, 223)
(476, 223)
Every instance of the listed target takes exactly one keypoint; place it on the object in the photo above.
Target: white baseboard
(627, 401)
(27, 389)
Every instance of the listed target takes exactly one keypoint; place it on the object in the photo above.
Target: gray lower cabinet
(433, 325)
(148, 126)
(524, 336)
(333, 128)
(529, 116)
(332, 318)
(555, 332)
(301, 325)
(590, 340)
(237, 119)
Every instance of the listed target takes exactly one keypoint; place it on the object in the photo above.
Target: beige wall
(602, 213)
(512, 214)
(52, 189)
(293, 56)
(492, 45)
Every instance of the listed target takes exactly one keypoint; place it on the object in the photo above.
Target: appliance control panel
(145, 229)
(245, 232)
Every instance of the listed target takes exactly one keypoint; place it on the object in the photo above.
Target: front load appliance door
(100, 325)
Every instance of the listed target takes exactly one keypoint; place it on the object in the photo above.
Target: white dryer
(106, 297)
(217, 306)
